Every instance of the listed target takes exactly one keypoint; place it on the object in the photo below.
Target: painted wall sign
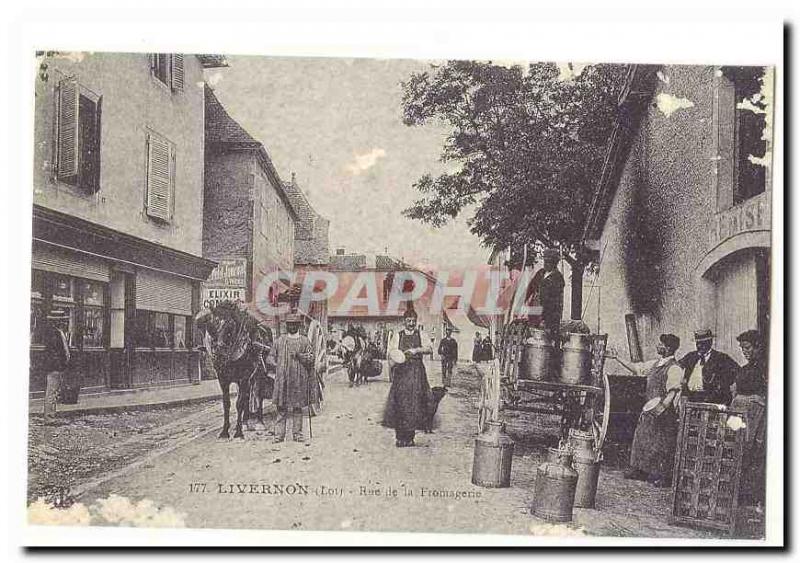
(750, 215)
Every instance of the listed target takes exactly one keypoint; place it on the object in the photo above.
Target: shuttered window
(168, 68)
(78, 136)
(67, 129)
(176, 63)
(163, 293)
(160, 177)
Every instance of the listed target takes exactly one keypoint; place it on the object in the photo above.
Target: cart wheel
(601, 414)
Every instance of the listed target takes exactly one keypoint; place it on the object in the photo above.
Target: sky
(337, 124)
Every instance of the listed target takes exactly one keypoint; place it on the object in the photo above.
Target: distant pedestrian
(708, 374)
(293, 358)
(477, 348)
(488, 349)
(448, 351)
(408, 406)
(56, 358)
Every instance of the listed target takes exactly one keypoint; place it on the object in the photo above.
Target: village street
(350, 476)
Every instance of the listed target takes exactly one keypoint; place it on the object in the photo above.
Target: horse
(238, 346)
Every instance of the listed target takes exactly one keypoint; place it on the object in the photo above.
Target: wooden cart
(584, 407)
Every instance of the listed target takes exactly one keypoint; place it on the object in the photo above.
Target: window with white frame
(160, 189)
(168, 69)
(77, 135)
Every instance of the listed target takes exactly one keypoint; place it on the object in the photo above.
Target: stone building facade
(248, 219)
(681, 219)
(118, 187)
(311, 245)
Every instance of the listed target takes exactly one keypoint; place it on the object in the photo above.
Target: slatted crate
(708, 465)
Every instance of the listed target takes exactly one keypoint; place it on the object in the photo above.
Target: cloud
(669, 104)
(365, 161)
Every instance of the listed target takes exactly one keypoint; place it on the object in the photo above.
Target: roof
(224, 132)
(310, 229)
(220, 126)
(634, 99)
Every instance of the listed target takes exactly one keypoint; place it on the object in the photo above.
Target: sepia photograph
(376, 294)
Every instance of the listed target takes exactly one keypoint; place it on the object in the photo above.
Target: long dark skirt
(409, 402)
(653, 448)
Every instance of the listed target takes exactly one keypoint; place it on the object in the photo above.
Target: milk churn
(576, 359)
(554, 492)
(587, 464)
(491, 466)
(537, 358)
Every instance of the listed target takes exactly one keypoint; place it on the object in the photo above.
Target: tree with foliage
(525, 147)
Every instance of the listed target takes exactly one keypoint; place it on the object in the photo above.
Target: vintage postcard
(522, 298)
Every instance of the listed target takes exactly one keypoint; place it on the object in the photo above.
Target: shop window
(180, 332)
(160, 177)
(93, 314)
(63, 305)
(78, 136)
(160, 330)
(80, 304)
(168, 69)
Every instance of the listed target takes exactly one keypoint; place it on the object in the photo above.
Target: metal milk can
(576, 359)
(494, 449)
(554, 492)
(587, 464)
(537, 360)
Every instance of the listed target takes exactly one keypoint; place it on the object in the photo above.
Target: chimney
(293, 177)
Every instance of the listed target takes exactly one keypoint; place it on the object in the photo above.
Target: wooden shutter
(176, 62)
(159, 177)
(63, 261)
(67, 137)
(163, 293)
(95, 181)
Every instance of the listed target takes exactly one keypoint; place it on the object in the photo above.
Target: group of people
(703, 375)
(482, 348)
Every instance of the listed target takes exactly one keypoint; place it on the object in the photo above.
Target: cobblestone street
(348, 477)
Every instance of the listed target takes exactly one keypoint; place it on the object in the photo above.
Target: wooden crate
(708, 463)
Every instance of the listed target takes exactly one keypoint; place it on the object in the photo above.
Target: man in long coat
(293, 358)
(448, 351)
(551, 293)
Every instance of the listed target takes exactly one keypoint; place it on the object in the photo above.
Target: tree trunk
(576, 282)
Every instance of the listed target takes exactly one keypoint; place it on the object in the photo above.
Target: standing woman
(653, 448)
(409, 402)
(488, 349)
(477, 348)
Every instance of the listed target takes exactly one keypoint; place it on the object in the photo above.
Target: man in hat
(448, 350)
(56, 357)
(551, 293)
(293, 358)
(653, 447)
(708, 373)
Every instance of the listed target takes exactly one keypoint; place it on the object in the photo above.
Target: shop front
(127, 304)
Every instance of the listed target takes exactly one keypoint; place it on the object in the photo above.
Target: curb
(110, 409)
